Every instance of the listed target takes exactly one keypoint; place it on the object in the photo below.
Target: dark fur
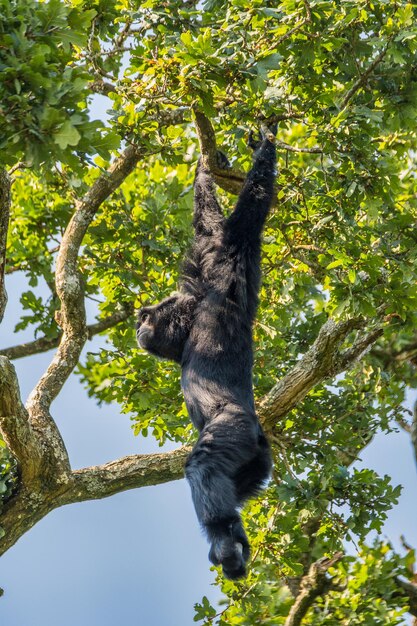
(207, 327)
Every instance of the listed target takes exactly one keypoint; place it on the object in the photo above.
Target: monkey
(206, 327)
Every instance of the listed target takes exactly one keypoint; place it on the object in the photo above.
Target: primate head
(163, 329)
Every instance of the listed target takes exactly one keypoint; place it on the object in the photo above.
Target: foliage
(8, 476)
(341, 79)
(44, 85)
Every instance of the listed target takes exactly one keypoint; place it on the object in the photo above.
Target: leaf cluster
(45, 84)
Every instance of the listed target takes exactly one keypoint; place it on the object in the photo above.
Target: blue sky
(136, 558)
(139, 557)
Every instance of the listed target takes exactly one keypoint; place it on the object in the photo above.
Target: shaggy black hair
(207, 328)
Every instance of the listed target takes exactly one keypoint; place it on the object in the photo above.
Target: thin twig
(364, 77)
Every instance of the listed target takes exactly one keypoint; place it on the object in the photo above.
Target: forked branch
(323, 360)
(315, 583)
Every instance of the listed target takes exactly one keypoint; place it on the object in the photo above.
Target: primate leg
(225, 444)
(251, 477)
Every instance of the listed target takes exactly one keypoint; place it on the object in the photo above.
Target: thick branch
(35, 500)
(321, 361)
(130, 472)
(14, 423)
(313, 584)
(5, 201)
(69, 283)
(43, 344)
(72, 317)
(229, 179)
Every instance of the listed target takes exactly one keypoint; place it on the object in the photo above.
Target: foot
(230, 549)
(229, 555)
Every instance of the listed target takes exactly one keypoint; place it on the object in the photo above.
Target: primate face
(162, 329)
(145, 326)
(153, 324)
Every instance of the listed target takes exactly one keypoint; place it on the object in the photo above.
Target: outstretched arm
(208, 216)
(208, 223)
(255, 199)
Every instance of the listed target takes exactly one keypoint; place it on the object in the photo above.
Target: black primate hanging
(207, 328)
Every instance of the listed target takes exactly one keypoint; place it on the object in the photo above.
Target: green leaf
(68, 135)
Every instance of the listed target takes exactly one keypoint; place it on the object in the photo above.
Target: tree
(103, 211)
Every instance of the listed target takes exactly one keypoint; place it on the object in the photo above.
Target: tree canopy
(101, 209)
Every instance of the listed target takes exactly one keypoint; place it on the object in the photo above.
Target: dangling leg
(225, 444)
(251, 478)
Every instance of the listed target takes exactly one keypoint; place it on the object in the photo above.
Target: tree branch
(229, 179)
(313, 584)
(129, 472)
(364, 77)
(321, 361)
(14, 423)
(287, 146)
(5, 201)
(43, 344)
(69, 287)
(35, 500)
(69, 283)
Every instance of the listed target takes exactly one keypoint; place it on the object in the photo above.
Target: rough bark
(15, 427)
(4, 225)
(69, 285)
(37, 498)
(315, 583)
(323, 360)
(130, 472)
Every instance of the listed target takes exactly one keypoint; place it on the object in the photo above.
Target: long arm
(208, 224)
(208, 216)
(247, 220)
